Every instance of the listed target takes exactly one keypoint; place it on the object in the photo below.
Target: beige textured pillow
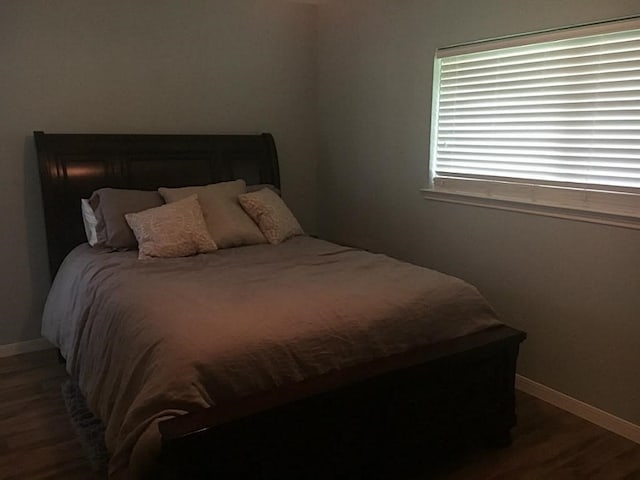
(228, 224)
(271, 214)
(173, 230)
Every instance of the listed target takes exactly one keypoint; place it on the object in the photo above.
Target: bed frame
(367, 421)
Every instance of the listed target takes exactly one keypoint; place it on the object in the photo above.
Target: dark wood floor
(37, 442)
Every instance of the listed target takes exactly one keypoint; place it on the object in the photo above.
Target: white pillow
(172, 230)
(90, 221)
(272, 215)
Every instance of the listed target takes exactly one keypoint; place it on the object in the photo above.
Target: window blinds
(561, 113)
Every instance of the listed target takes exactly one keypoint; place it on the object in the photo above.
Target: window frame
(597, 206)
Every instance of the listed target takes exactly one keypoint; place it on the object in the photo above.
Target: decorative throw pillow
(111, 205)
(271, 214)
(228, 224)
(94, 237)
(173, 230)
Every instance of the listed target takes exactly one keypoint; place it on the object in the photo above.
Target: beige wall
(210, 66)
(574, 287)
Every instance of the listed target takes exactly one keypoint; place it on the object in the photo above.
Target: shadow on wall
(35, 237)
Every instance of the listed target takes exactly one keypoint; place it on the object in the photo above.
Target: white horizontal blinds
(561, 113)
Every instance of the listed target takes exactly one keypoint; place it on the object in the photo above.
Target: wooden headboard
(72, 166)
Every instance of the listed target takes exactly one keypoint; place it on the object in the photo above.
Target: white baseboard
(580, 409)
(24, 347)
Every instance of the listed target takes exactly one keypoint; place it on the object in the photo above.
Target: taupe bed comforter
(151, 339)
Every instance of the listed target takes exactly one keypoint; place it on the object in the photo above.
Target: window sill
(533, 209)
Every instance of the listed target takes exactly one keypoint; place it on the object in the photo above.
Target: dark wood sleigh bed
(356, 422)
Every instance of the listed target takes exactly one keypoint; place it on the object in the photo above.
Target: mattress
(147, 340)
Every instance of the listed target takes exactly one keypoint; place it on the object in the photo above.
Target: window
(547, 122)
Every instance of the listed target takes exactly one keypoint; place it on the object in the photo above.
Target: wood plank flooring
(37, 441)
(36, 438)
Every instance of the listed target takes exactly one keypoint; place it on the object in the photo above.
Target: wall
(210, 66)
(574, 287)
(218, 66)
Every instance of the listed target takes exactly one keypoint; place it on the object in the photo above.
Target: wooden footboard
(356, 422)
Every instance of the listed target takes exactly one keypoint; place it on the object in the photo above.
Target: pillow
(90, 221)
(228, 224)
(110, 206)
(260, 186)
(271, 214)
(172, 230)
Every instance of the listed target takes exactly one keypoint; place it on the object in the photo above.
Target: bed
(351, 402)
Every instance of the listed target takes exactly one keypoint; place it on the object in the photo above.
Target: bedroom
(360, 74)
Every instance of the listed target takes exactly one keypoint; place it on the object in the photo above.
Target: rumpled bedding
(147, 340)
